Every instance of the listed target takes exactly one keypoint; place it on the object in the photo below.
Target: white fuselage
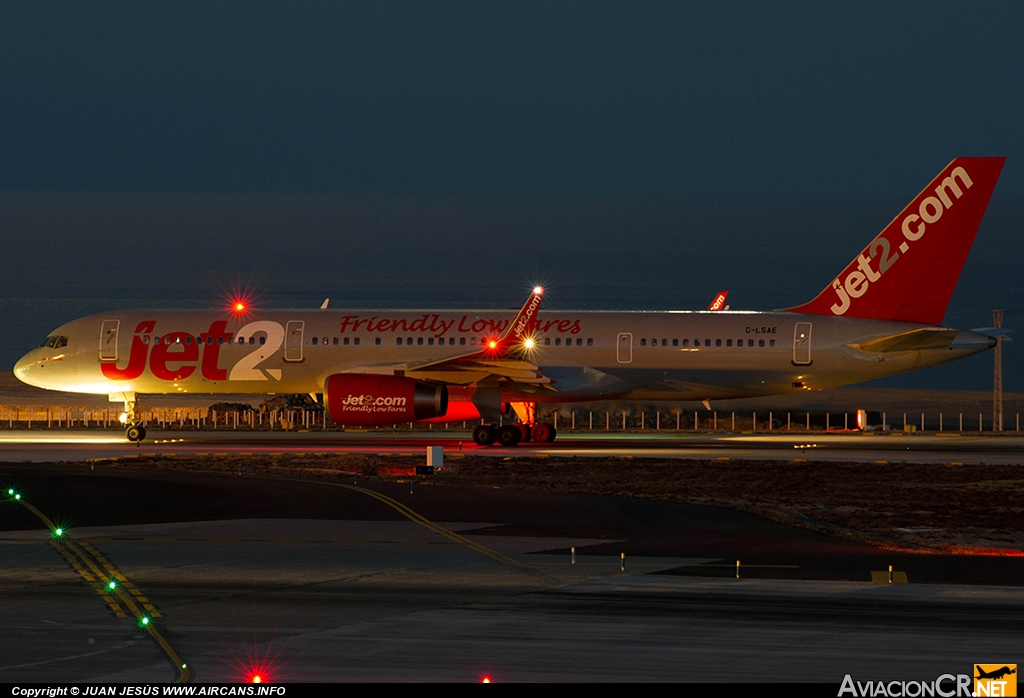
(588, 355)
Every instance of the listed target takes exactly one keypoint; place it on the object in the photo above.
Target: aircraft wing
(921, 338)
(507, 356)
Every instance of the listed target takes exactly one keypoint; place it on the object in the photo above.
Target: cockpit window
(55, 341)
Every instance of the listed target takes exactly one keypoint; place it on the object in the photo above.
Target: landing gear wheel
(524, 432)
(543, 432)
(484, 435)
(509, 435)
(136, 432)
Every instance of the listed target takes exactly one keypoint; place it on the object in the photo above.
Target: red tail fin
(910, 270)
(719, 301)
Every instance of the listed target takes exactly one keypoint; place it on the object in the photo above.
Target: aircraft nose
(27, 369)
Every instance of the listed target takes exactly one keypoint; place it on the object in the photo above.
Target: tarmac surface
(338, 580)
(53, 445)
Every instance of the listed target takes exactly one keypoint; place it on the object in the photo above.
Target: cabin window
(335, 341)
(750, 342)
(377, 340)
(547, 341)
(419, 340)
(771, 342)
(760, 342)
(686, 342)
(314, 340)
(728, 342)
(325, 341)
(430, 341)
(462, 341)
(398, 341)
(707, 342)
(356, 341)
(188, 340)
(263, 339)
(675, 342)
(579, 341)
(718, 342)
(590, 341)
(558, 341)
(643, 342)
(345, 341)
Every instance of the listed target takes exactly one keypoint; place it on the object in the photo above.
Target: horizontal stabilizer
(991, 331)
(914, 340)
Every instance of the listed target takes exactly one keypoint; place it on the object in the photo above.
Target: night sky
(438, 153)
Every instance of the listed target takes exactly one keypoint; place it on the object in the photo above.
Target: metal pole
(997, 377)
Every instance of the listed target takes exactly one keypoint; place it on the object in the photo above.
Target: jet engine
(359, 399)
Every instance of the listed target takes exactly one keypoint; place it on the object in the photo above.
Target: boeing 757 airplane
(880, 316)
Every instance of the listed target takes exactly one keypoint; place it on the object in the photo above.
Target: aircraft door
(108, 340)
(802, 344)
(624, 347)
(293, 340)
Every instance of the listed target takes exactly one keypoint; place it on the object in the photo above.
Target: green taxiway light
(144, 621)
(18, 497)
(58, 532)
(111, 584)
(10, 491)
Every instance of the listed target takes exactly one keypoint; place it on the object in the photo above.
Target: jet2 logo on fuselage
(175, 355)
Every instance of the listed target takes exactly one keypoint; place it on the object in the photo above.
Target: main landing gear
(513, 434)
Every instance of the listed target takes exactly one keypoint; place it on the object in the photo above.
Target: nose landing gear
(134, 431)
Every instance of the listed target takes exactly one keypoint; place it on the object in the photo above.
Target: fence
(184, 419)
